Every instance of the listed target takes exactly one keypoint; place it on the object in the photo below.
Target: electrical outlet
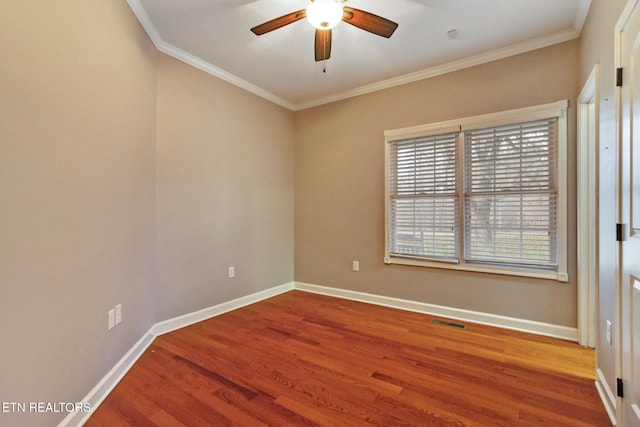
(356, 266)
(118, 313)
(232, 272)
(609, 327)
(111, 314)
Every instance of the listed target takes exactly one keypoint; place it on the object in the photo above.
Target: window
(424, 199)
(486, 193)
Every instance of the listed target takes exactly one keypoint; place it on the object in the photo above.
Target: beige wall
(129, 177)
(339, 211)
(77, 199)
(225, 191)
(116, 164)
(597, 46)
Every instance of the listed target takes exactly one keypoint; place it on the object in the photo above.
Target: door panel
(630, 216)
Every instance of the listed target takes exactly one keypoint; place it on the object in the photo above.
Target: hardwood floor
(301, 359)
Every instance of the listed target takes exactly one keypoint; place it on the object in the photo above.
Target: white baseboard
(104, 387)
(216, 310)
(512, 323)
(108, 383)
(606, 395)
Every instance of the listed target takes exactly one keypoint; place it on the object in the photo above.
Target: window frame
(539, 112)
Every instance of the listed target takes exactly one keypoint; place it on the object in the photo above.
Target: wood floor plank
(301, 359)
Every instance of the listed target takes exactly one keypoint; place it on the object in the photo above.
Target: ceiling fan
(325, 15)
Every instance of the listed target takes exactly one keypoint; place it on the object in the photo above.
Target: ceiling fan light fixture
(324, 14)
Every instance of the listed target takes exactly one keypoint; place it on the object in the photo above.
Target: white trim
(581, 15)
(100, 392)
(511, 323)
(588, 200)
(387, 203)
(216, 310)
(181, 55)
(563, 190)
(606, 395)
(519, 272)
(591, 88)
(461, 64)
(202, 65)
(143, 17)
(494, 55)
(620, 24)
(97, 395)
(537, 112)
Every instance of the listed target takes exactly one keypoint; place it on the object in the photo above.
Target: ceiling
(215, 36)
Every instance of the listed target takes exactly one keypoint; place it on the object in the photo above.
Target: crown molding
(494, 55)
(581, 15)
(202, 65)
(512, 50)
(181, 55)
(145, 21)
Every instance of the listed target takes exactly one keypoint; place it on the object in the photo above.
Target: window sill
(522, 272)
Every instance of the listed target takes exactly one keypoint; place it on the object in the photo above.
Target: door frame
(588, 200)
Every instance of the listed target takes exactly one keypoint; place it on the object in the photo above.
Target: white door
(629, 187)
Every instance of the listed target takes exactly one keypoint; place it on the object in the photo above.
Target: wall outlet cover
(111, 315)
(118, 313)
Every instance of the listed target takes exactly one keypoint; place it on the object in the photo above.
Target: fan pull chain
(324, 54)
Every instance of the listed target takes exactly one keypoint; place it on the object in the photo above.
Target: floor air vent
(450, 324)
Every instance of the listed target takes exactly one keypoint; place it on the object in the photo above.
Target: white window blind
(423, 205)
(510, 198)
(484, 193)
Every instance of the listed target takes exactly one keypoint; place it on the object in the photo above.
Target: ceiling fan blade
(323, 44)
(274, 24)
(369, 22)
